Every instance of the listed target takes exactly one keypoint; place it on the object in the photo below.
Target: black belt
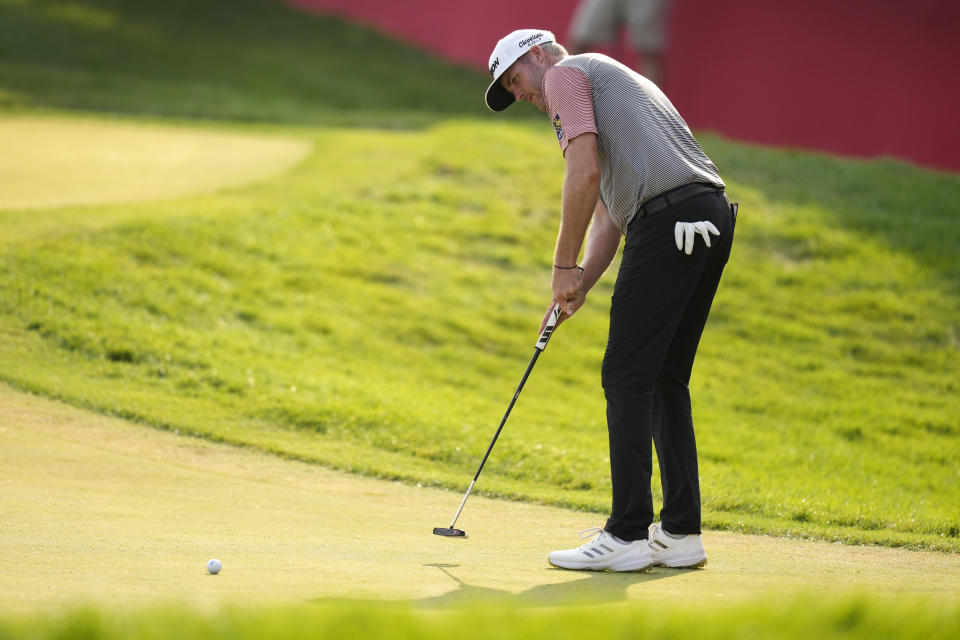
(675, 196)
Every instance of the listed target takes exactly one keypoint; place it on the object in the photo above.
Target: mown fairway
(372, 308)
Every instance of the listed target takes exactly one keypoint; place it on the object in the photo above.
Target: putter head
(449, 533)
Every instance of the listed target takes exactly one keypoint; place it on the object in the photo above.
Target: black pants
(660, 305)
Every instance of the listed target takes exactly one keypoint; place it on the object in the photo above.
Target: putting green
(51, 161)
(97, 509)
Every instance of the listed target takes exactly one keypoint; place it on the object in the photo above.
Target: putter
(451, 532)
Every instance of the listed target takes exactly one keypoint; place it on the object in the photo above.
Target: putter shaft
(540, 346)
(463, 502)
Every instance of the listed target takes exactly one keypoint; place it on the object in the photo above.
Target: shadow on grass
(596, 587)
(239, 60)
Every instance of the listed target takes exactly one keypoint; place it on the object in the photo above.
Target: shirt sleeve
(569, 99)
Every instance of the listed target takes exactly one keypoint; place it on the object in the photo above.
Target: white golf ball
(214, 566)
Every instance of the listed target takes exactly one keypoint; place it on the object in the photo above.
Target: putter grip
(548, 330)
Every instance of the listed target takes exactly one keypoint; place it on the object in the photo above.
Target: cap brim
(497, 97)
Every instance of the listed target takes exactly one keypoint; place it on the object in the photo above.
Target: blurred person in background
(597, 24)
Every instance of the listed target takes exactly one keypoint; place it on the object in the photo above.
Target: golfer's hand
(686, 232)
(568, 292)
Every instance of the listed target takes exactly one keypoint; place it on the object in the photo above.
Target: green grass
(801, 618)
(373, 309)
(250, 60)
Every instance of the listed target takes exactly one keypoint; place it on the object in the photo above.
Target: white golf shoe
(684, 552)
(604, 553)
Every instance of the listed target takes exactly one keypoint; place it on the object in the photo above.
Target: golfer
(632, 169)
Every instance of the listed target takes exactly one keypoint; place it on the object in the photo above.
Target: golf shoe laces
(589, 534)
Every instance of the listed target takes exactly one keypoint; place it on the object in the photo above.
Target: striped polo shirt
(645, 147)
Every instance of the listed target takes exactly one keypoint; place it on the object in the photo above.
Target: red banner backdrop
(856, 77)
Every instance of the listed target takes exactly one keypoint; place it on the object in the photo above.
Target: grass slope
(251, 60)
(373, 309)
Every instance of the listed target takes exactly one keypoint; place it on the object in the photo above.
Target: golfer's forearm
(603, 241)
(579, 198)
(581, 188)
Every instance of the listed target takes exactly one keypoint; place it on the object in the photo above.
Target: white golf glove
(685, 232)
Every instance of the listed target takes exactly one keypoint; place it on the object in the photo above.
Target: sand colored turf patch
(49, 161)
(97, 509)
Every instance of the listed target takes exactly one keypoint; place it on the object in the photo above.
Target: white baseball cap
(508, 51)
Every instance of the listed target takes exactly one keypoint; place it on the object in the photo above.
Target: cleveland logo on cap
(530, 40)
(494, 65)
